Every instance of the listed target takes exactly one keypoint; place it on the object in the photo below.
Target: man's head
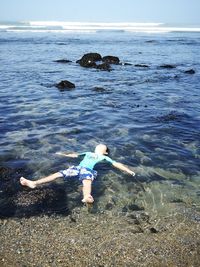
(101, 149)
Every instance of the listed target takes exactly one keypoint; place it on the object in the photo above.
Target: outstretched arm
(70, 155)
(122, 167)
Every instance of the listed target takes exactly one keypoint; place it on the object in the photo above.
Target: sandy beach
(88, 239)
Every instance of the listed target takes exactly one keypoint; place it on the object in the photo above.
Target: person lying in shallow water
(84, 171)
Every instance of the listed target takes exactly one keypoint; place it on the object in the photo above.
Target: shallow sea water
(149, 117)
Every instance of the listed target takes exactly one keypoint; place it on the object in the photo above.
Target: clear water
(149, 117)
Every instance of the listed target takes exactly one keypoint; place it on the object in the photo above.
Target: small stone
(153, 230)
(64, 61)
(167, 66)
(191, 71)
(5, 222)
(141, 65)
(64, 85)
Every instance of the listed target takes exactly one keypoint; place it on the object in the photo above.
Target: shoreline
(104, 239)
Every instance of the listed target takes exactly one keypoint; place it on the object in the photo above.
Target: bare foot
(88, 199)
(28, 183)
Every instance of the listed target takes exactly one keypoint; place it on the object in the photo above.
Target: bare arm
(70, 155)
(122, 167)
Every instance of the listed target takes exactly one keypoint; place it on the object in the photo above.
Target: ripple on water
(144, 115)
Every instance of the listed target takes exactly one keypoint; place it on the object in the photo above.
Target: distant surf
(89, 27)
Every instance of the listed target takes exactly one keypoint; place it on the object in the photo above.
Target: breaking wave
(63, 26)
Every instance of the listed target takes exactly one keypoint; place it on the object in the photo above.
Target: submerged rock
(111, 60)
(5, 172)
(63, 61)
(104, 66)
(191, 71)
(132, 207)
(99, 89)
(141, 65)
(168, 66)
(65, 85)
(172, 116)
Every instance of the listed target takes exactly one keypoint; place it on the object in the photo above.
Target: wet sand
(101, 239)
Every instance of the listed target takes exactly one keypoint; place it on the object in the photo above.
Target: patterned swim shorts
(79, 172)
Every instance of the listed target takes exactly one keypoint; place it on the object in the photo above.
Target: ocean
(146, 112)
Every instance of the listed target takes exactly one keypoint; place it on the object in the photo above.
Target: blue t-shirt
(91, 159)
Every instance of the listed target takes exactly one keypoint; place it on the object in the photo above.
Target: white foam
(88, 27)
(91, 24)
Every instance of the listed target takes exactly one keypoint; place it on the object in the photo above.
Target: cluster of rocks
(90, 60)
(96, 61)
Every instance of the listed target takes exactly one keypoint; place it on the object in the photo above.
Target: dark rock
(89, 60)
(150, 41)
(191, 71)
(138, 217)
(135, 207)
(109, 206)
(177, 200)
(111, 60)
(87, 64)
(62, 61)
(99, 89)
(72, 218)
(168, 66)
(141, 65)
(64, 85)
(153, 230)
(104, 66)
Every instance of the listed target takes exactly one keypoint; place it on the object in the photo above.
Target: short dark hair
(107, 150)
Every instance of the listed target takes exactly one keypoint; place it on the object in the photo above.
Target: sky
(164, 11)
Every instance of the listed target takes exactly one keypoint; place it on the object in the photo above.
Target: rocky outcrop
(95, 60)
(65, 85)
(111, 60)
(89, 60)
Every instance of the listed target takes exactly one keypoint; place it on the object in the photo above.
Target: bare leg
(87, 189)
(33, 184)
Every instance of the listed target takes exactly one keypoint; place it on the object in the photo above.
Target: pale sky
(166, 11)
